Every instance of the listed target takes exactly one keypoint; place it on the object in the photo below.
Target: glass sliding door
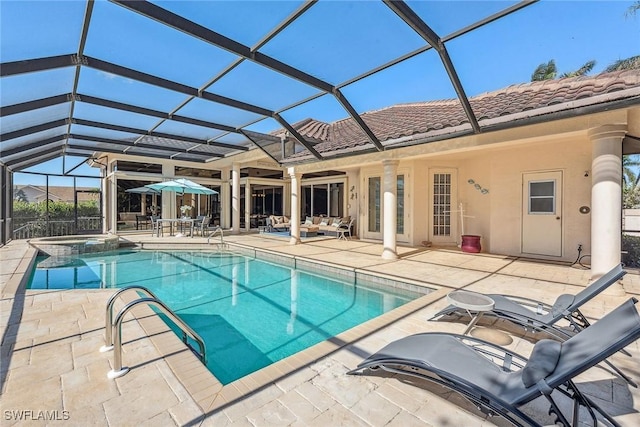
(374, 205)
(400, 200)
(322, 200)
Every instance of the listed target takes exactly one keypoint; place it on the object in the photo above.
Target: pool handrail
(213, 233)
(108, 321)
(118, 370)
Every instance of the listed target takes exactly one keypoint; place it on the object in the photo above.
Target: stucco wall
(573, 158)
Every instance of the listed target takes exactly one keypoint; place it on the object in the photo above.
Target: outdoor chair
(155, 229)
(538, 316)
(500, 382)
(203, 226)
(344, 230)
(532, 314)
(142, 220)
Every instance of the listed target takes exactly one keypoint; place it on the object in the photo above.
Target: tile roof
(447, 116)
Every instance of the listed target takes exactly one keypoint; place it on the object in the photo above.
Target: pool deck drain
(52, 372)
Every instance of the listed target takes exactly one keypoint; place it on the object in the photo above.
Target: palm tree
(548, 71)
(544, 71)
(624, 64)
(629, 176)
(584, 70)
(632, 10)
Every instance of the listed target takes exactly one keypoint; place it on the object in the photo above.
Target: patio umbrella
(181, 186)
(142, 190)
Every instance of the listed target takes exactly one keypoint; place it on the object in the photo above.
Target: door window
(542, 197)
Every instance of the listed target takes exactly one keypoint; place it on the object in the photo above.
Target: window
(542, 198)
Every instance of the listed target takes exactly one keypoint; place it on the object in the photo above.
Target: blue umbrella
(142, 190)
(181, 186)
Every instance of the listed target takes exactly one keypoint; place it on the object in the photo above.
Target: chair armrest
(538, 307)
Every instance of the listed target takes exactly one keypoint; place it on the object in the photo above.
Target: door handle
(557, 217)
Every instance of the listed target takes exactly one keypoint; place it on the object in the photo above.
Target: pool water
(250, 313)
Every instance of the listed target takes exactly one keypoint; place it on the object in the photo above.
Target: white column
(112, 204)
(390, 209)
(235, 198)
(295, 206)
(169, 207)
(225, 198)
(247, 205)
(606, 199)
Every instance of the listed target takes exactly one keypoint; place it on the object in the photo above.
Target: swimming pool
(250, 313)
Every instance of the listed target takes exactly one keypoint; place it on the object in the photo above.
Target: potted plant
(185, 210)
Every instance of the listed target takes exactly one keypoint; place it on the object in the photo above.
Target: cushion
(285, 219)
(346, 219)
(542, 362)
(316, 220)
(336, 221)
(308, 221)
(324, 221)
(277, 219)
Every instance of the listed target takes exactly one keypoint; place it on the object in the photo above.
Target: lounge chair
(540, 316)
(500, 382)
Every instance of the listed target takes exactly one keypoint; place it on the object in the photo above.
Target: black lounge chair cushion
(542, 362)
(563, 302)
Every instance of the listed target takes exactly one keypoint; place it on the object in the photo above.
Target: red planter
(471, 243)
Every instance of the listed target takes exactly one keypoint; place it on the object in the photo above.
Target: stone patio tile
(375, 409)
(144, 396)
(273, 413)
(299, 406)
(318, 397)
(347, 390)
(186, 412)
(337, 415)
(244, 405)
(405, 419)
(290, 381)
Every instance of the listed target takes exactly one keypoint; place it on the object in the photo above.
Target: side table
(472, 302)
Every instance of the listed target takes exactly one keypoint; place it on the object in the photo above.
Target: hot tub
(74, 245)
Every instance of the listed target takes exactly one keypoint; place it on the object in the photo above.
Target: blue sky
(334, 41)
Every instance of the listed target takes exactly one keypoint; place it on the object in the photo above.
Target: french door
(443, 209)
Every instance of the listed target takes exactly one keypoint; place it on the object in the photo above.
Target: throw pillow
(335, 222)
(308, 221)
(324, 221)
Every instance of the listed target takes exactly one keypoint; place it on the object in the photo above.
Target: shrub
(631, 245)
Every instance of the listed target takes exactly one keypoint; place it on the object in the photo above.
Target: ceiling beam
(154, 113)
(40, 64)
(180, 23)
(32, 145)
(137, 131)
(419, 26)
(33, 129)
(173, 150)
(119, 70)
(116, 151)
(42, 152)
(34, 105)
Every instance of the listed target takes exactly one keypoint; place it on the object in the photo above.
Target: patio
(52, 339)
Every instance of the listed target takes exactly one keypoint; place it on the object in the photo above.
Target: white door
(443, 205)
(373, 203)
(542, 213)
(374, 213)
